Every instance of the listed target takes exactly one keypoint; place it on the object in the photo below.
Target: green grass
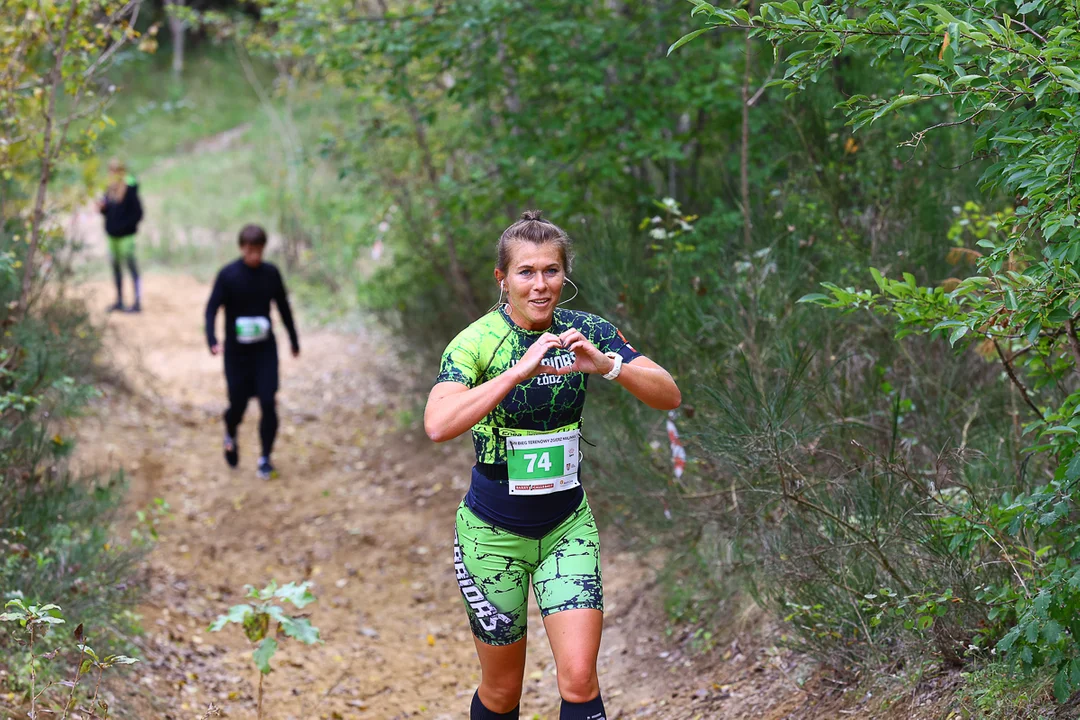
(158, 115)
(993, 692)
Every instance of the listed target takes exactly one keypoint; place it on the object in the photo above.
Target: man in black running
(246, 287)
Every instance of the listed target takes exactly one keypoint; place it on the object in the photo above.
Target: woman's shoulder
(490, 322)
(586, 322)
(487, 325)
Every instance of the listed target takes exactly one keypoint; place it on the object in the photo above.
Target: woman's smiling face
(533, 282)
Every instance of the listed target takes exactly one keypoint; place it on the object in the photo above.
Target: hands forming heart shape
(587, 358)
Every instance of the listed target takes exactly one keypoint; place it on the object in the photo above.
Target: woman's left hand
(587, 358)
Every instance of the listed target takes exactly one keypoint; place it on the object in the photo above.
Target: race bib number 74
(542, 464)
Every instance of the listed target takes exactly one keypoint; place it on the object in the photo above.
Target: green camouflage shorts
(494, 567)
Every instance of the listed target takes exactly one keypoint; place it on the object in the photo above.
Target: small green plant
(256, 620)
(146, 532)
(39, 621)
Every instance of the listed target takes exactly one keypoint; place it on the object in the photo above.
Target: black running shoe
(115, 307)
(232, 452)
(136, 308)
(266, 470)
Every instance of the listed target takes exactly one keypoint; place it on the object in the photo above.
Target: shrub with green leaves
(1010, 74)
(40, 623)
(57, 537)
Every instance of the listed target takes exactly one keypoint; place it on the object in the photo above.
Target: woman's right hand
(529, 364)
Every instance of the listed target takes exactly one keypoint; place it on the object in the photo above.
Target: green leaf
(1073, 471)
(818, 298)
(263, 653)
(958, 333)
(941, 12)
(1005, 643)
(256, 625)
(1029, 7)
(298, 595)
(967, 79)
(932, 80)
(687, 38)
(236, 614)
(1062, 688)
(300, 629)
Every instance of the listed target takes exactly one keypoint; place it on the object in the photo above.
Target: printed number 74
(543, 464)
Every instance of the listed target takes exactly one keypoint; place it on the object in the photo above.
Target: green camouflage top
(493, 344)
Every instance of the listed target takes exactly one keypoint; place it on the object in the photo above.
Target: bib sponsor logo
(488, 615)
(536, 486)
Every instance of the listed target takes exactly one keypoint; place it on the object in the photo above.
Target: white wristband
(617, 368)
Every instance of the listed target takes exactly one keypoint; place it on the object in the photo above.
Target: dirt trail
(365, 511)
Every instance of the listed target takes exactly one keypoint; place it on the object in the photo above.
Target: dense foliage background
(893, 478)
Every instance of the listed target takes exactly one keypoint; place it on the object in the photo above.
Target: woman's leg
(575, 643)
(502, 672)
(118, 279)
(492, 568)
(570, 594)
(134, 268)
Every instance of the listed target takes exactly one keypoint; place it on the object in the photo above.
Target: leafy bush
(1013, 80)
(56, 541)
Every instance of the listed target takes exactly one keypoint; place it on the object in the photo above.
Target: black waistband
(495, 473)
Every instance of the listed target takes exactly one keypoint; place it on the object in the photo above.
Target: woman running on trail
(517, 378)
(122, 211)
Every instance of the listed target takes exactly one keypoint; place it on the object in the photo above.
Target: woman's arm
(649, 383)
(453, 408)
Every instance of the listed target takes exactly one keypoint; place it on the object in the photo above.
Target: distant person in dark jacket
(245, 287)
(122, 211)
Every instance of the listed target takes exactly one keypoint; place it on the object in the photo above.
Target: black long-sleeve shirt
(246, 292)
(122, 218)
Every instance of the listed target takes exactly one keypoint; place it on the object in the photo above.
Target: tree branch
(1016, 381)
(55, 76)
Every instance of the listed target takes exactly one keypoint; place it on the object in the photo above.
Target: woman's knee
(578, 682)
(500, 695)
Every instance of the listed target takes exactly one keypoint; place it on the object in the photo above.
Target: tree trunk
(744, 154)
(47, 153)
(178, 28)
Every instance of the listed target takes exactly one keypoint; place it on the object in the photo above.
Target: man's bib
(252, 329)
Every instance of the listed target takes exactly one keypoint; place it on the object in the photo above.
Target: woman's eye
(526, 273)
(552, 272)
